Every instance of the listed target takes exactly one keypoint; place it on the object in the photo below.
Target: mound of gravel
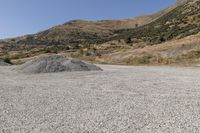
(2, 63)
(56, 63)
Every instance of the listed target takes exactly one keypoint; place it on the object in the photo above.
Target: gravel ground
(119, 99)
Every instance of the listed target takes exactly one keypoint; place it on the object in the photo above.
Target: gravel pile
(56, 63)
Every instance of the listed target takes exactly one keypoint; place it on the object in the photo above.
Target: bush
(129, 40)
(160, 39)
(47, 50)
(7, 60)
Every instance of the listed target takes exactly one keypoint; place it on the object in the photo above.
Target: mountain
(172, 38)
(80, 32)
(182, 21)
(75, 32)
(97, 40)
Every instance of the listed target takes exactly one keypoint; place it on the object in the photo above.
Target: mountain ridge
(87, 30)
(177, 23)
(96, 39)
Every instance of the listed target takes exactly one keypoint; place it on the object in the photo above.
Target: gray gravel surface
(120, 99)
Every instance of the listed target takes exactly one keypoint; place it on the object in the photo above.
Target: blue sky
(20, 17)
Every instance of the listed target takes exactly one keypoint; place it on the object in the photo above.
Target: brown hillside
(125, 41)
(79, 32)
(185, 50)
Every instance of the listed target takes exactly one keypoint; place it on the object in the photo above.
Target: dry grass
(175, 51)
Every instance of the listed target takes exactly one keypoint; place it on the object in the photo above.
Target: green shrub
(7, 60)
(129, 40)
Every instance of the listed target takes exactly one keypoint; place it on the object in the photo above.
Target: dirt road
(119, 99)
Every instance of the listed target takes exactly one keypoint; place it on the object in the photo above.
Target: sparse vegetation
(175, 24)
(99, 39)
